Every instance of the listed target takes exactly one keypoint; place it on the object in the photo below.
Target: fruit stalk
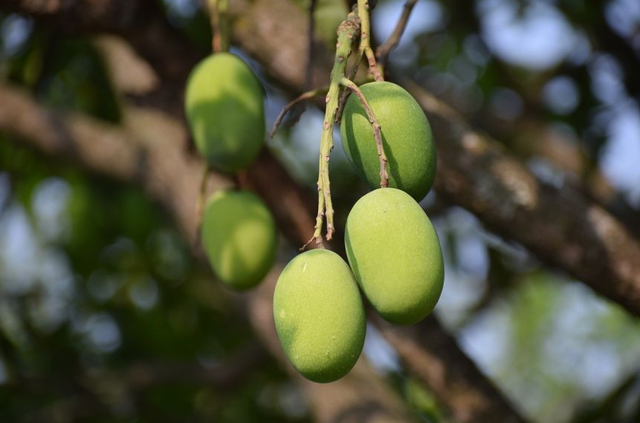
(406, 135)
(348, 31)
(363, 49)
(218, 15)
(377, 134)
(365, 42)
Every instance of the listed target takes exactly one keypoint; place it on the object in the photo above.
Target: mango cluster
(393, 250)
(224, 106)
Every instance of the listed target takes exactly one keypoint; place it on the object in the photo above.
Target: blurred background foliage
(106, 317)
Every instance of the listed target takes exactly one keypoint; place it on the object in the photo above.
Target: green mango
(225, 110)
(395, 255)
(319, 315)
(240, 238)
(406, 138)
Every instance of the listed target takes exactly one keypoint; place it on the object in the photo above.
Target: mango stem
(365, 40)
(364, 49)
(218, 16)
(377, 134)
(348, 32)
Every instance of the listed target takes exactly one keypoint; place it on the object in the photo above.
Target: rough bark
(557, 223)
(141, 22)
(433, 356)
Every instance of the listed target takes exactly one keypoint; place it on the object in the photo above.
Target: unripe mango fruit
(395, 255)
(225, 111)
(240, 238)
(319, 315)
(406, 138)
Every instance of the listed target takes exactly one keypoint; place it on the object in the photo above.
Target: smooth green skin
(319, 315)
(395, 255)
(406, 138)
(225, 111)
(240, 238)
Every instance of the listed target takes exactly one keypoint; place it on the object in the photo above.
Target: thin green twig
(302, 97)
(364, 49)
(377, 133)
(365, 40)
(348, 32)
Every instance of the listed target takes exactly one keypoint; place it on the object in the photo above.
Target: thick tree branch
(141, 22)
(558, 224)
(223, 376)
(145, 373)
(86, 395)
(134, 153)
(429, 353)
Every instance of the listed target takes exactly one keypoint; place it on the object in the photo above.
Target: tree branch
(223, 376)
(558, 224)
(383, 51)
(142, 23)
(434, 357)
